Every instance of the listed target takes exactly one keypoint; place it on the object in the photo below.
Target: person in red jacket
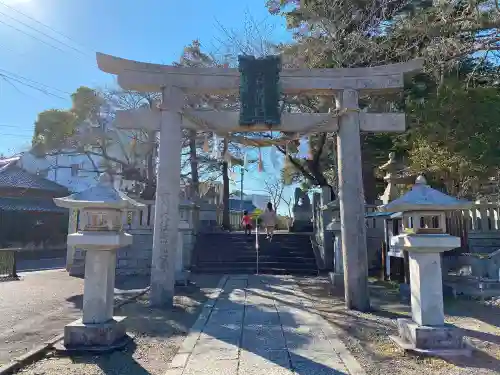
(246, 221)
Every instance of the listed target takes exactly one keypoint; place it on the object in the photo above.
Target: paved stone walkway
(262, 325)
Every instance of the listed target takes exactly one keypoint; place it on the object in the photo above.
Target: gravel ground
(366, 334)
(158, 333)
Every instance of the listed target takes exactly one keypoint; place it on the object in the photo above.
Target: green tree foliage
(87, 104)
(454, 135)
(457, 39)
(52, 128)
(56, 129)
(86, 129)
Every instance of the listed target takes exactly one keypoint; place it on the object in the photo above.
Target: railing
(234, 219)
(483, 217)
(143, 219)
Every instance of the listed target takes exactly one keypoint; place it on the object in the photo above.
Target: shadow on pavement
(125, 287)
(157, 335)
(367, 334)
(265, 333)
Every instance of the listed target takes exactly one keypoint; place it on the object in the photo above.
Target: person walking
(269, 221)
(246, 222)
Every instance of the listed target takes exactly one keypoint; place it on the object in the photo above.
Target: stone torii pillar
(344, 84)
(352, 206)
(166, 223)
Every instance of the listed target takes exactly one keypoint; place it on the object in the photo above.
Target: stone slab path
(262, 325)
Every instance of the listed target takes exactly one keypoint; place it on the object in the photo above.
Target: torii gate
(343, 84)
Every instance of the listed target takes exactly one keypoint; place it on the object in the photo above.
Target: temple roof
(29, 204)
(424, 198)
(102, 195)
(13, 176)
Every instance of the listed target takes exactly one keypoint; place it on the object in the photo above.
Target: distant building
(27, 210)
(235, 205)
(76, 172)
(258, 200)
(79, 171)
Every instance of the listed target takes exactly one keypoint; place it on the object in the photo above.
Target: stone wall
(130, 260)
(136, 258)
(323, 239)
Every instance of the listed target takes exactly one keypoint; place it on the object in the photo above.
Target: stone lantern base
(102, 337)
(442, 341)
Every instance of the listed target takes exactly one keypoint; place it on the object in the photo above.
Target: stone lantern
(424, 238)
(102, 209)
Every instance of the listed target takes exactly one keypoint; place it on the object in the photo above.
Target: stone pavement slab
(262, 325)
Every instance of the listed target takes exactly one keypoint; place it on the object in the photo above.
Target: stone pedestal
(98, 330)
(430, 339)
(302, 219)
(105, 336)
(99, 286)
(427, 332)
(426, 288)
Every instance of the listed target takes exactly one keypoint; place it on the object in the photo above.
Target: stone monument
(302, 212)
(102, 208)
(425, 239)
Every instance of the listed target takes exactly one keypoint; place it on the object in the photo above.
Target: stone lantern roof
(102, 195)
(424, 198)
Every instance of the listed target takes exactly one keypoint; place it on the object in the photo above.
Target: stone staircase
(234, 253)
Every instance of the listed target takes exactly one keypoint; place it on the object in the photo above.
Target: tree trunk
(369, 182)
(367, 167)
(226, 223)
(195, 178)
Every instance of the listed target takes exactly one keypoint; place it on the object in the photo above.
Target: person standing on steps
(269, 221)
(246, 222)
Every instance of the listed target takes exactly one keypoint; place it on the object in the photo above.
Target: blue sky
(152, 31)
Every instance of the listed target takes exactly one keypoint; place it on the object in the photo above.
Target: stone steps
(253, 270)
(235, 253)
(272, 264)
(262, 258)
